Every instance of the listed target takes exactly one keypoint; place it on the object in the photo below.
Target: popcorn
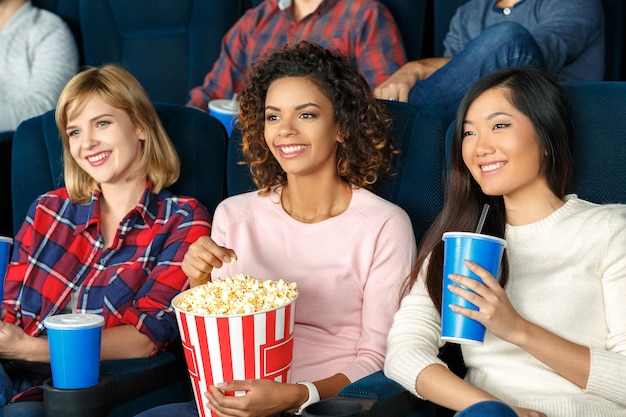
(241, 294)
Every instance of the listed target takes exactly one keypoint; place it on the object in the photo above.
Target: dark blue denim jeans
(488, 409)
(503, 45)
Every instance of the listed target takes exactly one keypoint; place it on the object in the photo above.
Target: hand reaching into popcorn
(202, 256)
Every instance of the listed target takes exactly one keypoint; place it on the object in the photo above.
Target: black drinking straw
(481, 221)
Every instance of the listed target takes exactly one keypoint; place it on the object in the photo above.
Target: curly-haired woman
(314, 138)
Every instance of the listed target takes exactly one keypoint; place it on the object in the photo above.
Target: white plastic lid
(224, 106)
(73, 321)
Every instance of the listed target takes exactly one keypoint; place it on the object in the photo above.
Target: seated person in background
(566, 38)
(38, 55)
(314, 136)
(363, 30)
(556, 325)
(113, 239)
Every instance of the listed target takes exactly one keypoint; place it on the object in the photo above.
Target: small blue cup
(74, 341)
(483, 250)
(226, 111)
(5, 252)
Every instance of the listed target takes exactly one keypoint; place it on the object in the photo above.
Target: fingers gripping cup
(225, 111)
(483, 250)
(74, 341)
(236, 328)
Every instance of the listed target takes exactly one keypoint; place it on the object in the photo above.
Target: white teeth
(491, 167)
(98, 157)
(291, 149)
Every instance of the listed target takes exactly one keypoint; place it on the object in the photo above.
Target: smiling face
(500, 147)
(104, 143)
(299, 127)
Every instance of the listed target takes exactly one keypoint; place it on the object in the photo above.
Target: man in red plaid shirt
(363, 30)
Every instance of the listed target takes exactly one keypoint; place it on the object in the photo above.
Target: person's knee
(507, 33)
(488, 409)
(510, 45)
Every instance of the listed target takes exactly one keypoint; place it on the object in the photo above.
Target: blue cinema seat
(6, 211)
(599, 151)
(130, 385)
(168, 45)
(410, 16)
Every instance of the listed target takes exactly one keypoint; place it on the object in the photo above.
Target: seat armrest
(387, 398)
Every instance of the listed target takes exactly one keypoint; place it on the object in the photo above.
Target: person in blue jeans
(488, 409)
(565, 38)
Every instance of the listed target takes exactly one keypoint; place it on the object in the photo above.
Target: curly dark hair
(363, 123)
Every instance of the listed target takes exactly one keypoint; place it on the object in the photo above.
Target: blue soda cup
(5, 252)
(74, 341)
(483, 250)
(226, 111)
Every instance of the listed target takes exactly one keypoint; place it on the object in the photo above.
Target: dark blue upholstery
(200, 140)
(36, 160)
(168, 45)
(443, 10)
(410, 17)
(6, 210)
(615, 15)
(419, 183)
(238, 177)
(599, 151)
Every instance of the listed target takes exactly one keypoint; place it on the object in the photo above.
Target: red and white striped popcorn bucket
(242, 346)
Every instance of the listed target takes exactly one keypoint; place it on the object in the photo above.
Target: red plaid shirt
(363, 30)
(59, 250)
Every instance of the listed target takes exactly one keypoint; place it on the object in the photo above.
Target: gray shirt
(38, 55)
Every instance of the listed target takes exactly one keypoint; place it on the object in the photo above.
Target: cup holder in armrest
(93, 401)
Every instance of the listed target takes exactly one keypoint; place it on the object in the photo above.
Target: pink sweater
(349, 270)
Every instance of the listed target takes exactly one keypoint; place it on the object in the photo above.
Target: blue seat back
(614, 15)
(443, 10)
(168, 45)
(417, 180)
(200, 141)
(599, 151)
(6, 210)
(410, 17)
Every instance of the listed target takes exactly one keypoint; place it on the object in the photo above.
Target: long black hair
(540, 97)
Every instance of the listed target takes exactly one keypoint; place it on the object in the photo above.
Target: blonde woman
(113, 238)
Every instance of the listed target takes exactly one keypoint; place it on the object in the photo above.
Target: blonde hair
(120, 89)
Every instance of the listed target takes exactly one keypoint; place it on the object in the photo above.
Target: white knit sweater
(38, 55)
(568, 275)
